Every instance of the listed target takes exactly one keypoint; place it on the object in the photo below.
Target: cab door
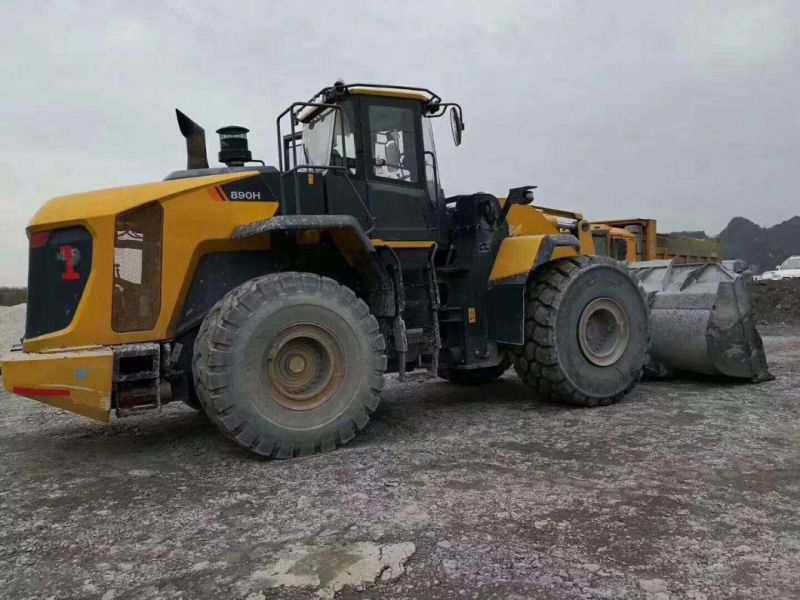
(395, 169)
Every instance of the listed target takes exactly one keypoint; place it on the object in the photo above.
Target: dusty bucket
(701, 320)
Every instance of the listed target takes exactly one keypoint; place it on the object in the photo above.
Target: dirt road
(685, 489)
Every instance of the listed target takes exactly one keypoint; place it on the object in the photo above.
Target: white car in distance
(788, 269)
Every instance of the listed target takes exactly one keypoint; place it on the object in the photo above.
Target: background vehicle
(274, 299)
(648, 244)
(788, 269)
(614, 242)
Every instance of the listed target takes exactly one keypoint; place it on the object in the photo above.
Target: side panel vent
(137, 269)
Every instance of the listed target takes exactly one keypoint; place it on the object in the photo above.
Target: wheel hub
(603, 332)
(303, 367)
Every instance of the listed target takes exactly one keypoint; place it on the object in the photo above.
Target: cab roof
(407, 94)
(340, 90)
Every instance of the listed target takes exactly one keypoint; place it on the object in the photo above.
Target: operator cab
(368, 151)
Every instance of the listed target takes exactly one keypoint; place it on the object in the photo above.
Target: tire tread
(537, 362)
(212, 356)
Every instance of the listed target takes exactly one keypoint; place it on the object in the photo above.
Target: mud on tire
(289, 364)
(586, 332)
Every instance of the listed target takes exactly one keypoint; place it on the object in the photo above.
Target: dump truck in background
(641, 241)
(614, 242)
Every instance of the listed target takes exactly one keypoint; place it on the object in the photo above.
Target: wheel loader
(275, 298)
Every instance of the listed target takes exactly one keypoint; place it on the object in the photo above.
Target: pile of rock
(776, 302)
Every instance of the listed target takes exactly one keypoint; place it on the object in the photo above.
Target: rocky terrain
(686, 489)
(776, 302)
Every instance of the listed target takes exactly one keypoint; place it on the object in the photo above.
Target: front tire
(289, 364)
(586, 332)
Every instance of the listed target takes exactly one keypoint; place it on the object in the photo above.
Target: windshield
(791, 263)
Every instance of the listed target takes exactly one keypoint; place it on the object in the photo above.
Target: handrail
(296, 169)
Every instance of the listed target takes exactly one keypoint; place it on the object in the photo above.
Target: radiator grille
(137, 269)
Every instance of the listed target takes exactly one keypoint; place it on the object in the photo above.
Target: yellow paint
(472, 316)
(615, 234)
(527, 220)
(76, 208)
(85, 375)
(194, 225)
(646, 237)
(585, 237)
(517, 256)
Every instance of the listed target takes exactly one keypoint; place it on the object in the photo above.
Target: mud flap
(701, 321)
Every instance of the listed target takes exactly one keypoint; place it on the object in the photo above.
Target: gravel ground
(686, 489)
(12, 326)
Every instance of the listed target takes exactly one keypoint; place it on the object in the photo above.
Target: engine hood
(88, 205)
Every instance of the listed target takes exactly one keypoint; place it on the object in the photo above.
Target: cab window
(393, 140)
(619, 249)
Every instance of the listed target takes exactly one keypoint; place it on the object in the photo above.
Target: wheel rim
(303, 366)
(603, 332)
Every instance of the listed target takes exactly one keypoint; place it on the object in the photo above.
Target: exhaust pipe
(701, 321)
(195, 135)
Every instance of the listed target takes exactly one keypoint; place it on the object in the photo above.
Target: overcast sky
(688, 112)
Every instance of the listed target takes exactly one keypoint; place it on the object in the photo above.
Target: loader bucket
(701, 321)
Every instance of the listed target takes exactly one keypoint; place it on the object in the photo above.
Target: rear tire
(586, 332)
(289, 364)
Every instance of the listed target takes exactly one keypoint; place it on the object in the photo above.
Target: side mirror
(456, 125)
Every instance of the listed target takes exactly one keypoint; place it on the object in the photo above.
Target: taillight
(39, 239)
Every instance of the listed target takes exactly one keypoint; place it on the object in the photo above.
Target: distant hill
(9, 296)
(761, 247)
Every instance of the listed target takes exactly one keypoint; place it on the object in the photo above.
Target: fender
(520, 255)
(345, 230)
(505, 297)
(350, 239)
